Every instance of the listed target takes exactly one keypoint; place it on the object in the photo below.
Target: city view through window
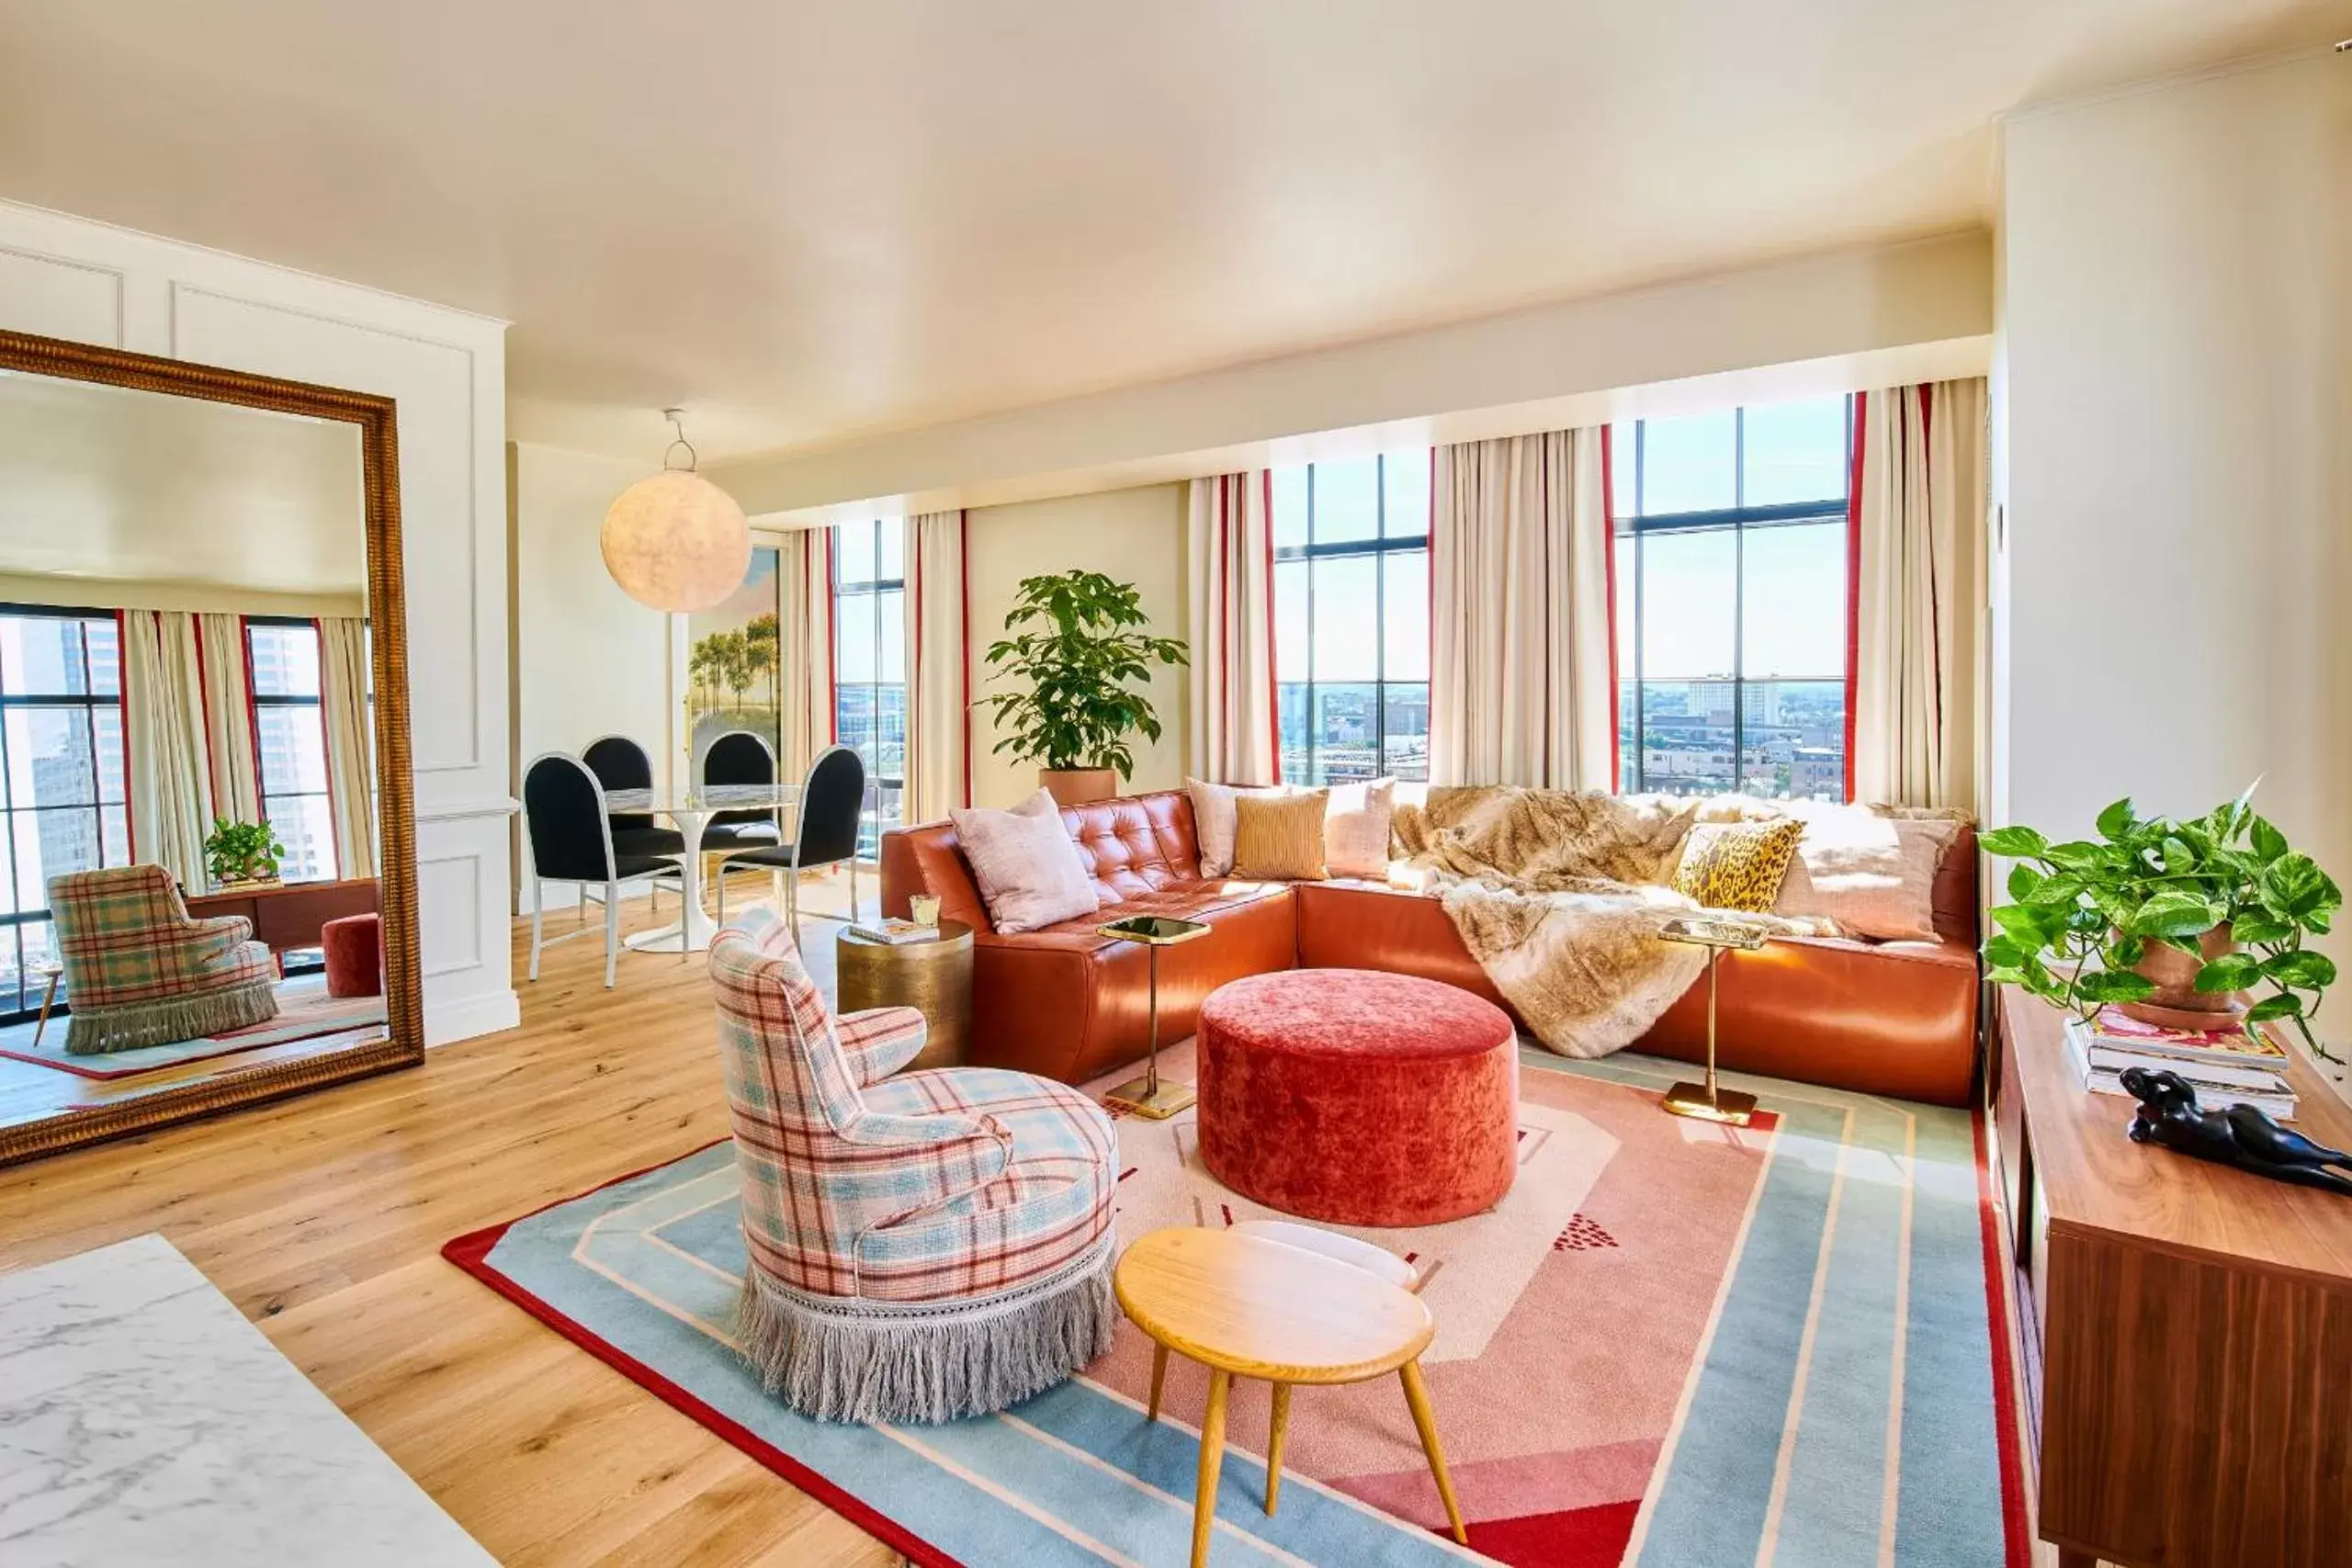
(1731, 600)
(1351, 617)
(870, 664)
(290, 743)
(62, 759)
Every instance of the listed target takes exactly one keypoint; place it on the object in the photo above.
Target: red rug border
(2015, 1531)
(43, 1059)
(470, 1253)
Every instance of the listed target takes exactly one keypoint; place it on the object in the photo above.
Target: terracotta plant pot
(2179, 1004)
(1076, 786)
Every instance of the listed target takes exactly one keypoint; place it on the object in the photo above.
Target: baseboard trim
(463, 1018)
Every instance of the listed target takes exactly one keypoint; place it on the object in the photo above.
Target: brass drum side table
(1706, 1100)
(933, 978)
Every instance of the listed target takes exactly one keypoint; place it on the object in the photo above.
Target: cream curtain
(171, 795)
(1519, 624)
(939, 760)
(228, 718)
(1230, 551)
(1919, 595)
(804, 636)
(351, 771)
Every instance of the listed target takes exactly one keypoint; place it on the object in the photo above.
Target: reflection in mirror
(187, 744)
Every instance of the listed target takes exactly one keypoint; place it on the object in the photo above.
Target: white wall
(69, 278)
(1833, 322)
(1136, 536)
(589, 661)
(2176, 311)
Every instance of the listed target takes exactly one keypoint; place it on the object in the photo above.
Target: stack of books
(2226, 1066)
(896, 932)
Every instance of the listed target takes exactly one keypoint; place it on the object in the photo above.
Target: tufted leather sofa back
(1133, 845)
(1137, 844)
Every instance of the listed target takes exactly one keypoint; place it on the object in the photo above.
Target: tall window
(1351, 617)
(870, 662)
(62, 759)
(290, 742)
(1731, 600)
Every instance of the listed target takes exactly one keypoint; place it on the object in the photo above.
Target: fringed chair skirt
(841, 1358)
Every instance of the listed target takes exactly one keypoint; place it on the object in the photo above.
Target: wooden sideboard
(2186, 1328)
(290, 914)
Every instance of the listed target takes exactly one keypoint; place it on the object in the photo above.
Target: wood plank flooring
(322, 1219)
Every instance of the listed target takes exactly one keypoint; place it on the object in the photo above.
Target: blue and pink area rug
(1674, 1345)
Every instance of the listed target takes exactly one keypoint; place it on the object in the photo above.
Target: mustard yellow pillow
(1279, 836)
(1737, 866)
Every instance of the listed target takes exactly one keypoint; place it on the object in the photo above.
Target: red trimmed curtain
(1918, 555)
(1230, 552)
(939, 756)
(804, 578)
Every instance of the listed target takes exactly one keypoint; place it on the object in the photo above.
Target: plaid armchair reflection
(920, 1246)
(140, 970)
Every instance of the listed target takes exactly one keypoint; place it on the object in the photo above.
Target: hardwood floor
(322, 1219)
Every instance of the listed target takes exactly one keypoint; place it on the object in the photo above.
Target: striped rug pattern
(1773, 1348)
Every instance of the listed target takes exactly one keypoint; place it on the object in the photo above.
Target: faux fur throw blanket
(1559, 896)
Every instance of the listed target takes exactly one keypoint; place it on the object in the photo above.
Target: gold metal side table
(1717, 936)
(933, 978)
(1147, 1096)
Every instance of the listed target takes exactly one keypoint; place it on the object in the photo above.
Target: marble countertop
(143, 1421)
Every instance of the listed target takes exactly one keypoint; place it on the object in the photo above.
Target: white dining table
(691, 811)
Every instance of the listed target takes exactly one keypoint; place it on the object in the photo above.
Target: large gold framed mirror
(208, 869)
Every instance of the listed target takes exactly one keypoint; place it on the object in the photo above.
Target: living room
(1196, 787)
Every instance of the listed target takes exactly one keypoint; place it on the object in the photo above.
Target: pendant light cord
(678, 431)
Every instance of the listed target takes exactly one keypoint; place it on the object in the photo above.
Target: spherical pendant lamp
(676, 542)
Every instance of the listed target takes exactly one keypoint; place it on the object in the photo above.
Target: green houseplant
(2166, 919)
(1082, 653)
(242, 852)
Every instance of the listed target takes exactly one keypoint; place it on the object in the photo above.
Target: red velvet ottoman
(355, 949)
(1358, 1097)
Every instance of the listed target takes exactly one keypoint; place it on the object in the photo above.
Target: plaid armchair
(921, 1247)
(139, 972)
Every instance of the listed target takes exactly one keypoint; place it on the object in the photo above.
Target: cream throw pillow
(1280, 838)
(1213, 821)
(1029, 869)
(1870, 875)
(1356, 826)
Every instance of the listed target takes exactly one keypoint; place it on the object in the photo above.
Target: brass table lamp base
(1148, 1095)
(1708, 1101)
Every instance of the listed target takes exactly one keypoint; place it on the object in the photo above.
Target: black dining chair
(621, 764)
(741, 757)
(571, 838)
(833, 799)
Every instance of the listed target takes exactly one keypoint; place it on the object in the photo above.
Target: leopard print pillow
(1737, 866)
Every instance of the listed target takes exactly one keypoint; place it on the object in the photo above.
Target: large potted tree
(2170, 921)
(1081, 649)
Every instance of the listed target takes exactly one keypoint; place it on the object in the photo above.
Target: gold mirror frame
(395, 784)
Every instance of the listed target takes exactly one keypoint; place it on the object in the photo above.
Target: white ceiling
(811, 222)
(140, 487)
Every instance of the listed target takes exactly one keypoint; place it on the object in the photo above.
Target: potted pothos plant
(1082, 652)
(242, 853)
(2170, 921)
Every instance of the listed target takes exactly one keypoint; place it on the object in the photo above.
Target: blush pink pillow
(1029, 869)
(1873, 877)
(1355, 830)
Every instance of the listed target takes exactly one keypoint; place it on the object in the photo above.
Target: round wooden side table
(1246, 1306)
(933, 977)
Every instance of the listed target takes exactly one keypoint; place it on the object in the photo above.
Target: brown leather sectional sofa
(1884, 1018)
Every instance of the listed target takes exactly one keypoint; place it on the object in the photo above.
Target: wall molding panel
(70, 278)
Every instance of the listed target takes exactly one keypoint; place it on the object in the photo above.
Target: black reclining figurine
(2241, 1136)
